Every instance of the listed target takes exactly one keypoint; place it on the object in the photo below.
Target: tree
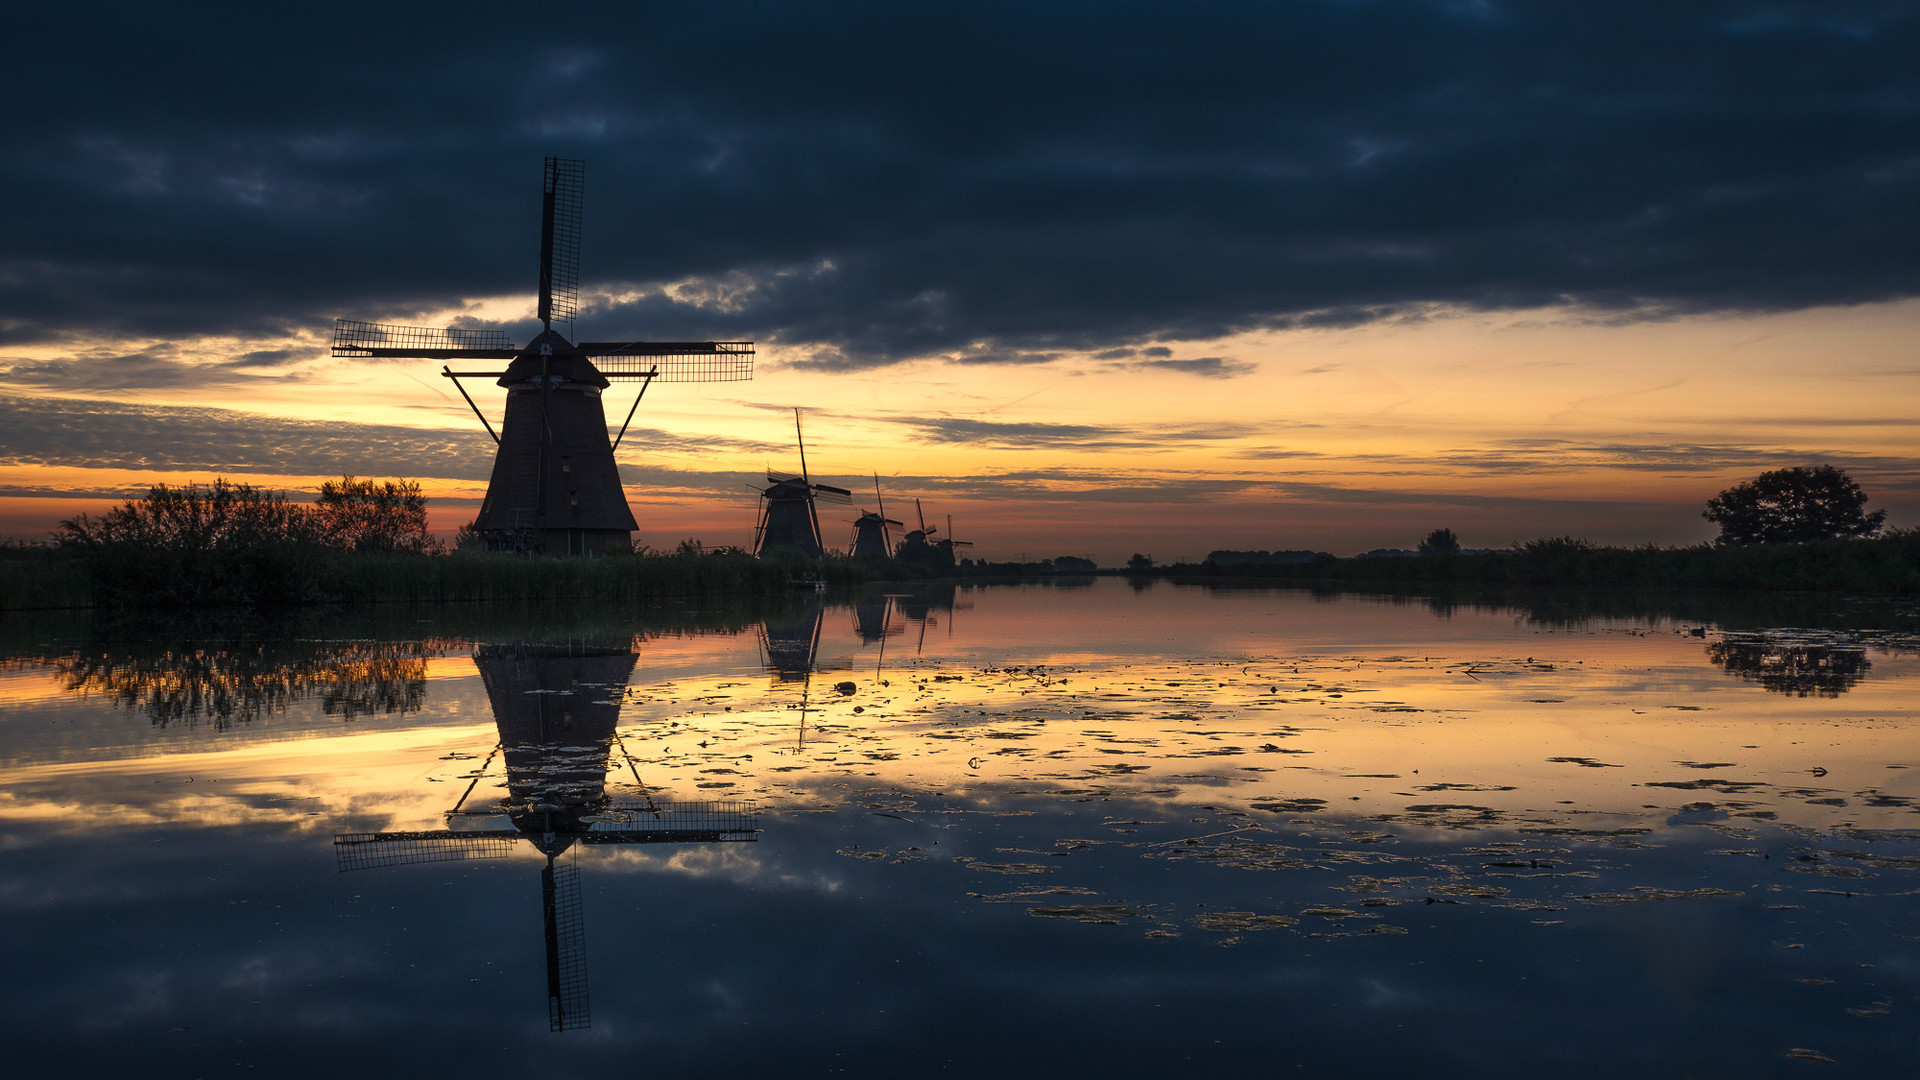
(1793, 506)
(1440, 542)
(364, 516)
(1140, 563)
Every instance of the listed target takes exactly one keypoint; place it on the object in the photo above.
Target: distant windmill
(555, 488)
(920, 537)
(789, 519)
(950, 543)
(871, 539)
(557, 709)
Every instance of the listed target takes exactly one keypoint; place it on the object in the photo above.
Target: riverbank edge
(34, 577)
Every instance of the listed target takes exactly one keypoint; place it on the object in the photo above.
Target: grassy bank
(1887, 564)
(39, 577)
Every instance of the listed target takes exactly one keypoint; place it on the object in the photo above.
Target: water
(1027, 831)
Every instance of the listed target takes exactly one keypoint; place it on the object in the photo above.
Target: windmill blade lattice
(354, 338)
(568, 1005)
(368, 851)
(562, 197)
(672, 361)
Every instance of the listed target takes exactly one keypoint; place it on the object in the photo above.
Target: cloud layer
(866, 183)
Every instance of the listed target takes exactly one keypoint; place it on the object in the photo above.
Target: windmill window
(566, 464)
(573, 498)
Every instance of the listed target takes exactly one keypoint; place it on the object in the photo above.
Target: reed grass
(39, 577)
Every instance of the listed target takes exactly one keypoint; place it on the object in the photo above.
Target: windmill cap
(564, 361)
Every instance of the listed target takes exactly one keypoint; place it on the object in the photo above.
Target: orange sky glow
(1503, 427)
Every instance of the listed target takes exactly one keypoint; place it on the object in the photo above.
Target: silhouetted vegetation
(1889, 563)
(42, 576)
(218, 544)
(362, 516)
(1790, 506)
(1440, 542)
(1229, 557)
(228, 544)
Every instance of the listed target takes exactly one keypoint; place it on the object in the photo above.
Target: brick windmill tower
(555, 489)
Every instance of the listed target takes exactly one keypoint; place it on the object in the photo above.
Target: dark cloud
(1028, 435)
(1529, 457)
(866, 182)
(1210, 367)
(100, 434)
(155, 369)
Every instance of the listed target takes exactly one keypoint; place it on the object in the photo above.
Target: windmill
(555, 488)
(918, 548)
(557, 709)
(789, 520)
(870, 537)
(947, 545)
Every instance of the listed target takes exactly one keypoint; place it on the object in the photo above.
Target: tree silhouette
(364, 516)
(1796, 505)
(1440, 542)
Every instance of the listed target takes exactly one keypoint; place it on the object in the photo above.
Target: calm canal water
(1018, 831)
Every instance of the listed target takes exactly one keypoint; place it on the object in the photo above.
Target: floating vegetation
(1648, 893)
(1236, 922)
(1098, 914)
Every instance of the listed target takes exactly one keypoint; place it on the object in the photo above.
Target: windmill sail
(368, 851)
(561, 200)
(353, 338)
(568, 1006)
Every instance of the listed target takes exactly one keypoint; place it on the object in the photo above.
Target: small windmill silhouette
(555, 488)
(557, 708)
(789, 518)
(871, 538)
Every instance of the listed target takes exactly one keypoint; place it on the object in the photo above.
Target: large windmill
(557, 708)
(789, 517)
(555, 488)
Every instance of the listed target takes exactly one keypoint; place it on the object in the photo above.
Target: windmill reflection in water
(790, 646)
(558, 710)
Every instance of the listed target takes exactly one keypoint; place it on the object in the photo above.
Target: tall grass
(475, 576)
(38, 577)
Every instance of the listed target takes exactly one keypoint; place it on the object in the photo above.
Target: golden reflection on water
(1616, 728)
(1282, 705)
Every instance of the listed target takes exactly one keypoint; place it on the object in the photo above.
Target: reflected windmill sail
(557, 708)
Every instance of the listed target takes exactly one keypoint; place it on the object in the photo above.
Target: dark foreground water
(1034, 831)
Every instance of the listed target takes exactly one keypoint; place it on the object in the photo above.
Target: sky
(1090, 278)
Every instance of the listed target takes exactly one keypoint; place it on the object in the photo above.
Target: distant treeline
(1884, 564)
(1263, 558)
